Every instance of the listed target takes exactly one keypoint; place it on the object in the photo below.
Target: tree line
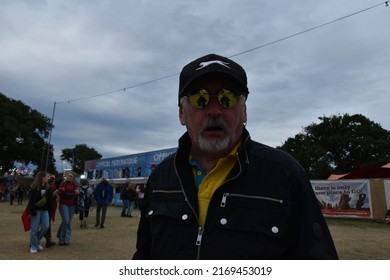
(24, 138)
(338, 144)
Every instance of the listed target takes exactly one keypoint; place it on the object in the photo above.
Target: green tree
(78, 155)
(339, 144)
(23, 133)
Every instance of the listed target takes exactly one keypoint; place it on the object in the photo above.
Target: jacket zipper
(200, 229)
(226, 195)
(199, 237)
(165, 191)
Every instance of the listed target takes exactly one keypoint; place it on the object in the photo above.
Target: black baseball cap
(211, 63)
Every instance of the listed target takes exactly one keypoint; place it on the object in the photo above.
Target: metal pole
(49, 141)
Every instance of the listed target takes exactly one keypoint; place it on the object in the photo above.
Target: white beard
(211, 146)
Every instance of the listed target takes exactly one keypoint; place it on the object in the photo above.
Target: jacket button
(184, 217)
(275, 229)
(150, 212)
(223, 221)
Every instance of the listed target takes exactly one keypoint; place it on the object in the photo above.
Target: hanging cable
(237, 54)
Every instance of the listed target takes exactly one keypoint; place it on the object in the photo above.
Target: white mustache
(214, 122)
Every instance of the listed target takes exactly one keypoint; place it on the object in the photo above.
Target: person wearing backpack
(103, 195)
(84, 202)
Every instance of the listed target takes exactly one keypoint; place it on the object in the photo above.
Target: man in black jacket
(223, 195)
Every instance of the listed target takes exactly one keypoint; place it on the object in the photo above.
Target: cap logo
(207, 63)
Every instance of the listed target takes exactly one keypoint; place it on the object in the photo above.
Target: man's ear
(245, 118)
(181, 116)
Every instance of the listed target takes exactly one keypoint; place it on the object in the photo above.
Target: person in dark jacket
(223, 195)
(20, 192)
(103, 196)
(125, 201)
(39, 206)
(131, 195)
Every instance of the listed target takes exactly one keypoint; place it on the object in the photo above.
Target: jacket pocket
(169, 204)
(253, 214)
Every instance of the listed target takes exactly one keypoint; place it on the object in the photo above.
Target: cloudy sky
(111, 66)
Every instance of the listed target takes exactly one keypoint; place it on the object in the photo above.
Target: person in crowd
(52, 213)
(11, 192)
(223, 195)
(68, 193)
(39, 206)
(131, 195)
(103, 196)
(140, 190)
(20, 192)
(387, 216)
(84, 202)
(5, 192)
(1, 191)
(125, 201)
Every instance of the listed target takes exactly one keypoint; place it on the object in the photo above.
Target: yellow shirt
(212, 181)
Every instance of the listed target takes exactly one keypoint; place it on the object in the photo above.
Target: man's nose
(214, 107)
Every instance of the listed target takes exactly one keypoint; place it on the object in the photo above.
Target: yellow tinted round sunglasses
(200, 98)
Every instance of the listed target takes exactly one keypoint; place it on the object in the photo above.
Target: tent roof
(364, 173)
(336, 176)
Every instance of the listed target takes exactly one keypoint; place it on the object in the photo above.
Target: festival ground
(355, 239)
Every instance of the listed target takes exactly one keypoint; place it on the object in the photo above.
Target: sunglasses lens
(199, 99)
(227, 99)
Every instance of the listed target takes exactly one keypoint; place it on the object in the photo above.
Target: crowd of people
(46, 195)
(12, 190)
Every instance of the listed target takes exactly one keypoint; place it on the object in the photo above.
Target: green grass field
(360, 239)
(355, 239)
